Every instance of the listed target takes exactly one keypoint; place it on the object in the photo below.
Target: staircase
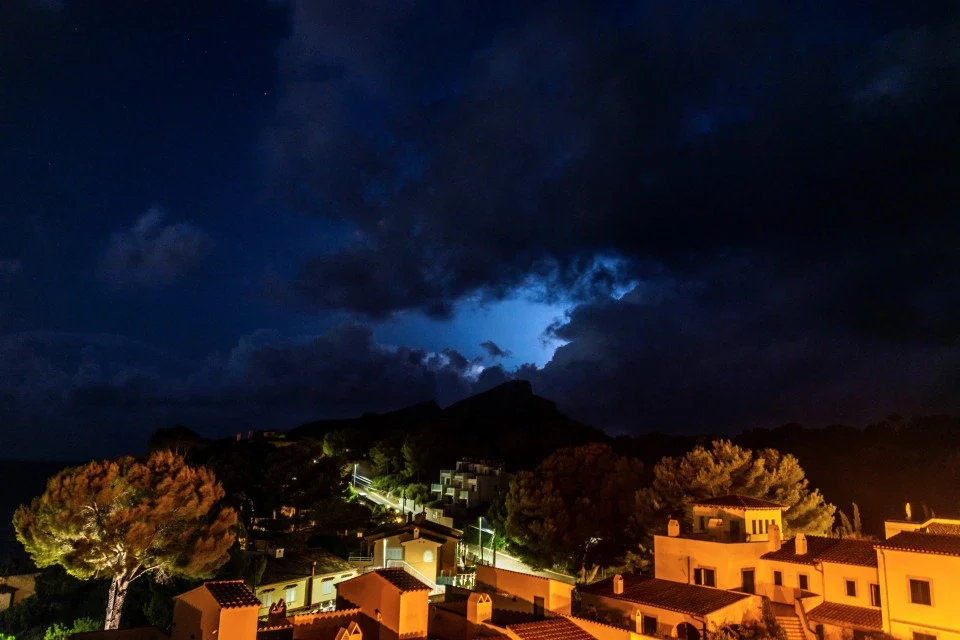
(792, 626)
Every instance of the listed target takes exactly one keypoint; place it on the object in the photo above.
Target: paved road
(504, 560)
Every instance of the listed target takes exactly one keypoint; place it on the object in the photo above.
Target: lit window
(428, 556)
(326, 587)
(290, 594)
(851, 588)
(920, 592)
(267, 598)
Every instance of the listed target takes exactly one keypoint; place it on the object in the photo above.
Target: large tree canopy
(124, 518)
(726, 468)
(576, 509)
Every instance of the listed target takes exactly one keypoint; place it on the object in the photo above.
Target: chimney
(479, 608)
(617, 585)
(800, 544)
(673, 528)
(416, 532)
(774, 541)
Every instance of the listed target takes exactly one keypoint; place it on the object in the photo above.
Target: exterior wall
(374, 594)
(272, 593)
(602, 631)
(787, 593)
(745, 518)
(448, 559)
(630, 614)
(900, 616)
(238, 624)
(676, 558)
(317, 594)
(749, 608)
(835, 587)
(445, 556)
(413, 552)
(557, 596)
(414, 614)
(24, 585)
(196, 616)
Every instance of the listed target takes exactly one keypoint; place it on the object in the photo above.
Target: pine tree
(123, 519)
(726, 468)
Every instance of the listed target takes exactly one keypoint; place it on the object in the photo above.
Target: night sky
(682, 215)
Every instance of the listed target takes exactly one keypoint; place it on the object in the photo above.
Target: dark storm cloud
(152, 253)
(67, 394)
(493, 350)
(663, 136)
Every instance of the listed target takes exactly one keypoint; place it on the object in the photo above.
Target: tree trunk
(115, 598)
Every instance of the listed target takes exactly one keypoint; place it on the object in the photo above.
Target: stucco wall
(791, 580)
(835, 587)
(372, 593)
(745, 517)
(626, 613)
(557, 596)
(676, 558)
(195, 615)
(604, 631)
(278, 591)
(413, 552)
(414, 614)
(317, 595)
(900, 616)
(238, 624)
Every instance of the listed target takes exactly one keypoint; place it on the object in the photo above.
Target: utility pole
(480, 536)
(354, 475)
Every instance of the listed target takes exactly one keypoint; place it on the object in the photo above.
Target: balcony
(436, 488)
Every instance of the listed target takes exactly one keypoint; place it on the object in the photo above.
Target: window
(875, 595)
(428, 556)
(703, 523)
(395, 553)
(706, 577)
(649, 626)
(267, 598)
(748, 581)
(290, 593)
(753, 527)
(851, 588)
(326, 587)
(804, 582)
(923, 636)
(920, 592)
(778, 578)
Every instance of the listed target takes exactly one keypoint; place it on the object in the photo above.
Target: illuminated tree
(726, 468)
(576, 509)
(123, 519)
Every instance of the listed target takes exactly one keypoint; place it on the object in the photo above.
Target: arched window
(428, 556)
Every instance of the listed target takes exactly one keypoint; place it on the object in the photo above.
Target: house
(15, 588)
(214, 610)
(657, 607)
(304, 579)
(471, 483)
(428, 549)
(525, 592)
(397, 600)
(920, 587)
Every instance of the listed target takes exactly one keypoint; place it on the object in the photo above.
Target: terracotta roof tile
(942, 528)
(738, 501)
(231, 594)
(849, 551)
(552, 629)
(816, 546)
(665, 594)
(847, 615)
(946, 545)
(402, 580)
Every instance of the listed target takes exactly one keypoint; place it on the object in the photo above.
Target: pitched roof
(850, 551)
(296, 565)
(402, 580)
(426, 526)
(946, 545)
(847, 615)
(942, 528)
(231, 594)
(738, 502)
(816, 547)
(665, 594)
(552, 629)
